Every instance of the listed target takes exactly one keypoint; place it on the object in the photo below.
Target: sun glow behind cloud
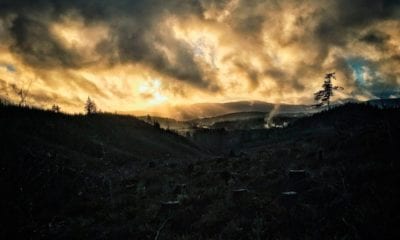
(151, 90)
(129, 55)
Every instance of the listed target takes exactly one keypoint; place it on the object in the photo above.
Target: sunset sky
(139, 54)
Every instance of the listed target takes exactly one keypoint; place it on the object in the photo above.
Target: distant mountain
(166, 123)
(385, 103)
(237, 116)
(206, 110)
(381, 103)
(207, 114)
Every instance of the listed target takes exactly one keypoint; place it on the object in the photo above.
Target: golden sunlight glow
(272, 51)
(151, 90)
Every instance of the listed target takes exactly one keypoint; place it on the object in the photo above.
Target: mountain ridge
(197, 111)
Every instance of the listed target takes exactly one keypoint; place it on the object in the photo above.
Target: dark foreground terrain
(116, 177)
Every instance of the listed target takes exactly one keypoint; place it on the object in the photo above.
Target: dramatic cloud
(134, 54)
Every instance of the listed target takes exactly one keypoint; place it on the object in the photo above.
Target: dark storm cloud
(338, 25)
(346, 16)
(376, 38)
(353, 16)
(146, 47)
(34, 43)
(137, 35)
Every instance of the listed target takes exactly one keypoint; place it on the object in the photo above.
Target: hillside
(48, 158)
(98, 135)
(206, 110)
(242, 115)
(349, 190)
(332, 175)
(166, 123)
(237, 116)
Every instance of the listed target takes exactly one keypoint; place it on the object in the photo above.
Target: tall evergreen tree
(90, 106)
(323, 96)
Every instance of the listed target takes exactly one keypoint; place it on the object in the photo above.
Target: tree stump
(240, 194)
(168, 206)
(297, 175)
(180, 189)
(289, 198)
(151, 164)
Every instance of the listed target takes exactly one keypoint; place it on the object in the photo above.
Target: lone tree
(323, 96)
(55, 108)
(22, 91)
(90, 106)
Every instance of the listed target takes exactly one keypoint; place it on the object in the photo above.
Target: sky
(140, 54)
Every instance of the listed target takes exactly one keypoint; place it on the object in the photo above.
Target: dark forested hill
(94, 136)
(332, 175)
(51, 161)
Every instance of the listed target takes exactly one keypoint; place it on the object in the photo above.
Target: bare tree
(323, 96)
(90, 106)
(22, 92)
